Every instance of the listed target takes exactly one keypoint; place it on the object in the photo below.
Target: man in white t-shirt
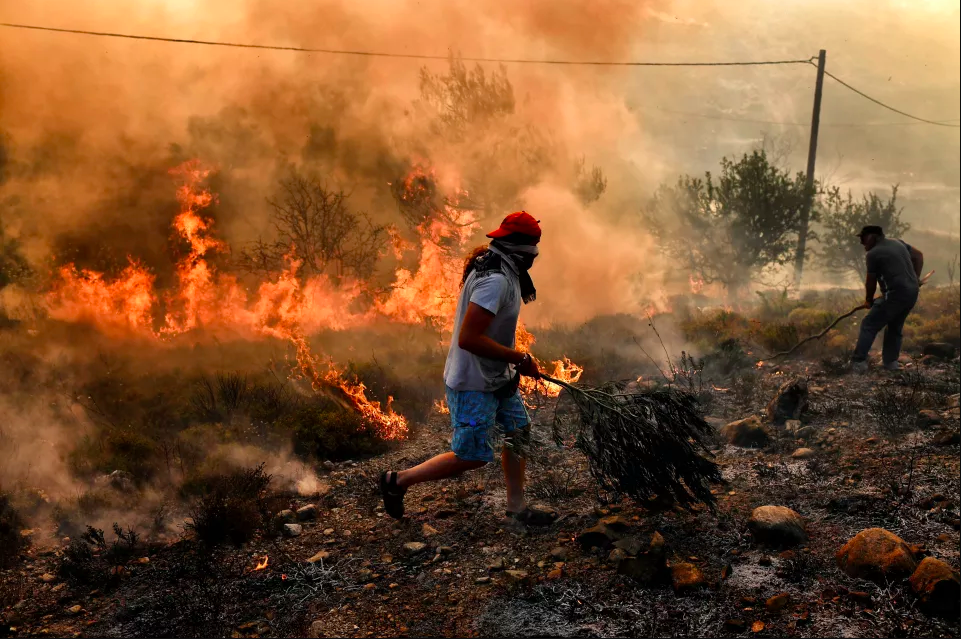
(482, 371)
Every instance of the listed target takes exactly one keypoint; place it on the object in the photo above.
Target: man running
(482, 371)
(896, 266)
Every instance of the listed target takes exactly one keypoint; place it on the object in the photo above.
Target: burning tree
(315, 223)
(844, 217)
(729, 229)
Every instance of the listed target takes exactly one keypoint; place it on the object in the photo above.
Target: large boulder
(938, 588)
(941, 350)
(747, 433)
(789, 402)
(877, 555)
(777, 526)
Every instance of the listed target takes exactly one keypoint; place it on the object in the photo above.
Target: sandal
(532, 517)
(393, 494)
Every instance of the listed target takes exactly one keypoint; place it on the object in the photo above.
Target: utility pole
(812, 155)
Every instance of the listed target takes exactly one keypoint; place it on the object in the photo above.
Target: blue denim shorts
(478, 418)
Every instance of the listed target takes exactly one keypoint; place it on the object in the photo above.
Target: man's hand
(528, 367)
(868, 303)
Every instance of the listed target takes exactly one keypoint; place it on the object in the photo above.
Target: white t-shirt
(501, 295)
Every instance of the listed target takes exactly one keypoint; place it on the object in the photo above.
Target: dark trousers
(888, 313)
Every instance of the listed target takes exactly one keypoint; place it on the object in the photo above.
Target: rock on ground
(789, 402)
(414, 547)
(686, 577)
(803, 453)
(307, 513)
(647, 567)
(941, 350)
(777, 526)
(747, 433)
(877, 555)
(292, 530)
(938, 588)
(323, 555)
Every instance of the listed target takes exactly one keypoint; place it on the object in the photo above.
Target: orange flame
(562, 369)
(441, 407)
(262, 564)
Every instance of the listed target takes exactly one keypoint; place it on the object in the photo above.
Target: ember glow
(562, 369)
(262, 564)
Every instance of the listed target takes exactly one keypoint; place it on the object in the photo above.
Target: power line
(383, 54)
(712, 116)
(888, 107)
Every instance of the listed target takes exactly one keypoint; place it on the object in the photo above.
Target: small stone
(414, 547)
(497, 564)
(757, 626)
(47, 578)
(286, 516)
(806, 433)
(803, 453)
(792, 425)
(616, 555)
(559, 553)
(778, 602)
(293, 530)
(445, 550)
(429, 531)
(686, 577)
(747, 433)
(74, 610)
(482, 580)
(143, 561)
(556, 573)
(516, 576)
(630, 545)
(938, 588)
(328, 531)
(370, 586)
(777, 526)
(307, 513)
(596, 537)
(323, 555)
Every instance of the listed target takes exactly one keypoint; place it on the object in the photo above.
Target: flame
(262, 563)
(126, 303)
(562, 369)
(441, 407)
(288, 306)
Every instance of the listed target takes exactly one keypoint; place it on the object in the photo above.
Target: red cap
(520, 222)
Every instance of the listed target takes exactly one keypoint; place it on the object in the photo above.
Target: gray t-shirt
(890, 262)
(500, 293)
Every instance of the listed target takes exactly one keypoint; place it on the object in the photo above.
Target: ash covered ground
(232, 552)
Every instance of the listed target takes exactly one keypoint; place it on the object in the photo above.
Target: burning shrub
(11, 523)
(232, 507)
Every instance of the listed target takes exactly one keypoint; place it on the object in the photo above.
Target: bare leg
(440, 467)
(514, 467)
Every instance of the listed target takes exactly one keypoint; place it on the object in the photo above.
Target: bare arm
(917, 261)
(473, 338)
(870, 288)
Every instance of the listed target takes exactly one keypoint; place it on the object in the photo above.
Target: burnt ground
(369, 585)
